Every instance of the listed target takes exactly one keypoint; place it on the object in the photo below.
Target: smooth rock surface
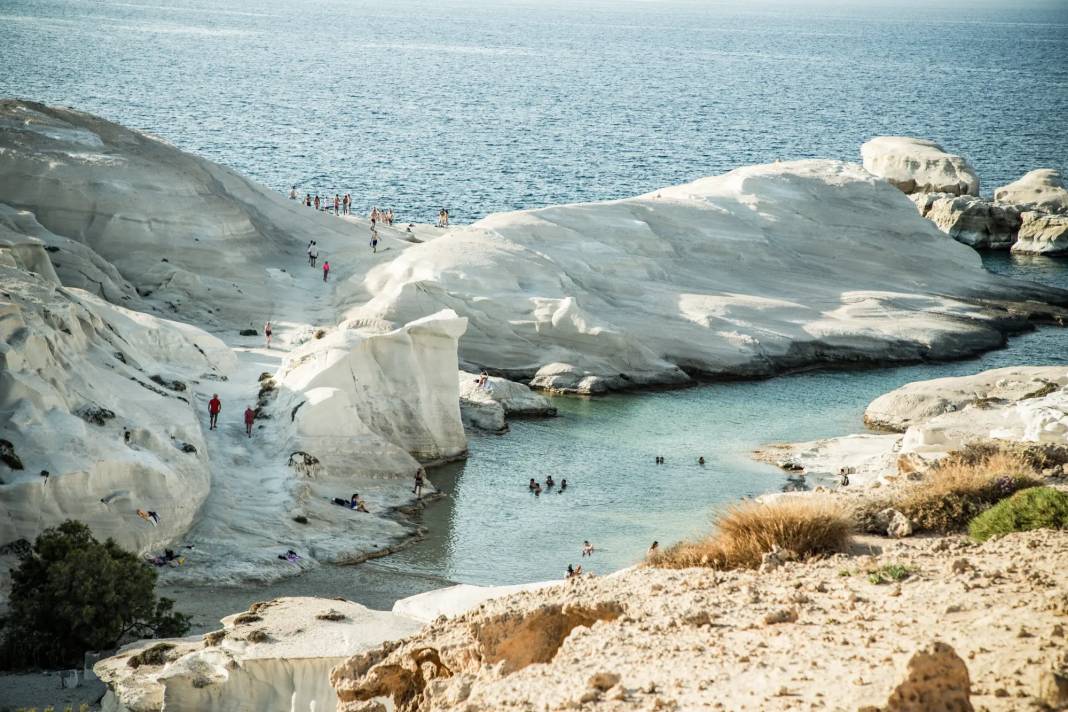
(919, 166)
(744, 274)
(1042, 189)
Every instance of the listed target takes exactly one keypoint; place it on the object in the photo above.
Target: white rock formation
(932, 418)
(394, 394)
(1042, 235)
(975, 222)
(1042, 189)
(919, 166)
(458, 599)
(95, 404)
(489, 407)
(277, 656)
(761, 269)
(920, 401)
(196, 236)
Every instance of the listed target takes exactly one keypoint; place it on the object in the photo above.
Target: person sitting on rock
(358, 504)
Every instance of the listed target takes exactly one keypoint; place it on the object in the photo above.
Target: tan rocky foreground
(816, 636)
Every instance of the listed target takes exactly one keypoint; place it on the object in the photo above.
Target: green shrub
(1035, 508)
(888, 573)
(961, 487)
(71, 594)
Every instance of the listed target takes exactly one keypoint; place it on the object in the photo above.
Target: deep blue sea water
(484, 106)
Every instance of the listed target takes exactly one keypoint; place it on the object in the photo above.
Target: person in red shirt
(250, 417)
(326, 270)
(214, 406)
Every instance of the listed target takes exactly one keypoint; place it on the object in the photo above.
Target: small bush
(1035, 508)
(745, 532)
(155, 655)
(332, 615)
(257, 636)
(246, 618)
(956, 490)
(889, 573)
(213, 638)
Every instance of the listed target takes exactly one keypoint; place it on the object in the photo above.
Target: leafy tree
(71, 594)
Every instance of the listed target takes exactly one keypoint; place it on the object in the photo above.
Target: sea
(480, 106)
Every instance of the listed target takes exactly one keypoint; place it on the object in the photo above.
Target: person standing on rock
(250, 418)
(293, 193)
(337, 204)
(267, 333)
(326, 269)
(317, 203)
(313, 253)
(419, 479)
(374, 241)
(214, 406)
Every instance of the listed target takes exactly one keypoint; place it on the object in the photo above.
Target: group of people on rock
(381, 217)
(215, 407)
(341, 204)
(535, 487)
(313, 255)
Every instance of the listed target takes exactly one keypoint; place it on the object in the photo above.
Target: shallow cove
(491, 530)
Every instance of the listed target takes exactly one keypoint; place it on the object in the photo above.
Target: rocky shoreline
(128, 304)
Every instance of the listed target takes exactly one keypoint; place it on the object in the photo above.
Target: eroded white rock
(1042, 189)
(919, 166)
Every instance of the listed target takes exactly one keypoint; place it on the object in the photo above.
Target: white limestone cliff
(95, 407)
(745, 274)
(917, 165)
(276, 656)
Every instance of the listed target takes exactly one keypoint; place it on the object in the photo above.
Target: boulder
(899, 526)
(488, 407)
(919, 166)
(1042, 189)
(979, 223)
(1042, 235)
(1053, 689)
(936, 680)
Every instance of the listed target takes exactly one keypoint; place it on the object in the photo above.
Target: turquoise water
(484, 105)
(491, 530)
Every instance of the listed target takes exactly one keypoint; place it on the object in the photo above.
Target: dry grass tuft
(961, 487)
(807, 526)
